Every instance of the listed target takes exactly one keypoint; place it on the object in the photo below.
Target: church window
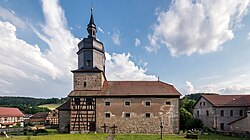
(127, 115)
(127, 103)
(107, 115)
(107, 103)
(85, 84)
(147, 115)
(89, 101)
(147, 103)
(168, 103)
(88, 63)
(77, 101)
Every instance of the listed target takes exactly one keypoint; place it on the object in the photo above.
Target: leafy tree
(187, 104)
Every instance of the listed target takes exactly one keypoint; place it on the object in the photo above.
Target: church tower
(88, 78)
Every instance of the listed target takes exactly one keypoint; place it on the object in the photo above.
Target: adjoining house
(10, 117)
(123, 106)
(224, 112)
(45, 118)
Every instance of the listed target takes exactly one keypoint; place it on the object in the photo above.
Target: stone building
(124, 106)
(223, 112)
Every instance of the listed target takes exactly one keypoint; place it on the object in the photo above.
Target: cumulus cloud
(120, 67)
(189, 88)
(235, 90)
(196, 26)
(116, 37)
(137, 42)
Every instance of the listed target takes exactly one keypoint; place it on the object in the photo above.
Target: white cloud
(100, 29)
(248, 37)
(120, 67)
(116, 37)
(235, 90)
(189, 88)
(197, 26)
(137, 42)
(9, 15)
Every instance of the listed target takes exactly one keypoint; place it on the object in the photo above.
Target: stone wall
(138, 122)
(64, 121)
(88, 81)
(241, 126)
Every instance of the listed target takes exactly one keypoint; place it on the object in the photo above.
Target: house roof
(64, 106)
(130, 88)
(10, 112)
(228, 100)
(40, 115)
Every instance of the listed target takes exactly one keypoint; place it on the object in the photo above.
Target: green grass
(50, 106)
(61, 137)
(147, 137)
(99, 136)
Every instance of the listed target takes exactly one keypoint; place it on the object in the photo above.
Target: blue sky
(198, 46)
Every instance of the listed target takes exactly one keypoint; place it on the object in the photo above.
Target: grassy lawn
(50, 106)
(117, 137)
(61, 137)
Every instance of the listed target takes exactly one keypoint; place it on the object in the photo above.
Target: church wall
(138, 122)
(88, 81)
(63, 121)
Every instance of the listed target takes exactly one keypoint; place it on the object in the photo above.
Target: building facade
(123, 106)
(10, 117)
(45, 118)
(222, 112)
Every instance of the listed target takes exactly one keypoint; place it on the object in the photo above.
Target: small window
(204, 103)
(127, 103)
(231, 112)
(147, 103)
(89, 101)
(200, 103)
(222, 126)
(107, 103)
(147, 115)
(77, 101)
(198, 114)
(168, 103)
(107, 115)
(127, 115)
(241, 112)
(85, 84)
(207, 112)
(5, 119)
(88, 63)
(222, 113)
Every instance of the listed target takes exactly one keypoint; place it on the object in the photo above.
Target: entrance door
(92, 126)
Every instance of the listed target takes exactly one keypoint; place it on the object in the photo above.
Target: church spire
(91, 26)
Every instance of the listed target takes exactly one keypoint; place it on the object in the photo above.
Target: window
(5, 118)
(88, 63)
(204, 103)
(241, 112)
(147, 115)
(89, 101)
(147, 103)
(222, 126)
(222, 113)
(200, 103)
(168, 103)
(85, 84)
(77, 101)
(107, 115)
(107, 103)
(231, 112)
(198, 114)
(127, 115)
(207, 112)
(127, 103)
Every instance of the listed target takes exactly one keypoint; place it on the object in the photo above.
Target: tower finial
(91, 28)
(92, 8)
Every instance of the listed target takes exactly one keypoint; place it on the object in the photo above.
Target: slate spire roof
(91, 26)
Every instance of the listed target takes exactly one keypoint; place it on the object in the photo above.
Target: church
(98, 105)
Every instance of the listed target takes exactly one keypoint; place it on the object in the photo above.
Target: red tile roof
(131, 88)
(10, 112)
(228, 100)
